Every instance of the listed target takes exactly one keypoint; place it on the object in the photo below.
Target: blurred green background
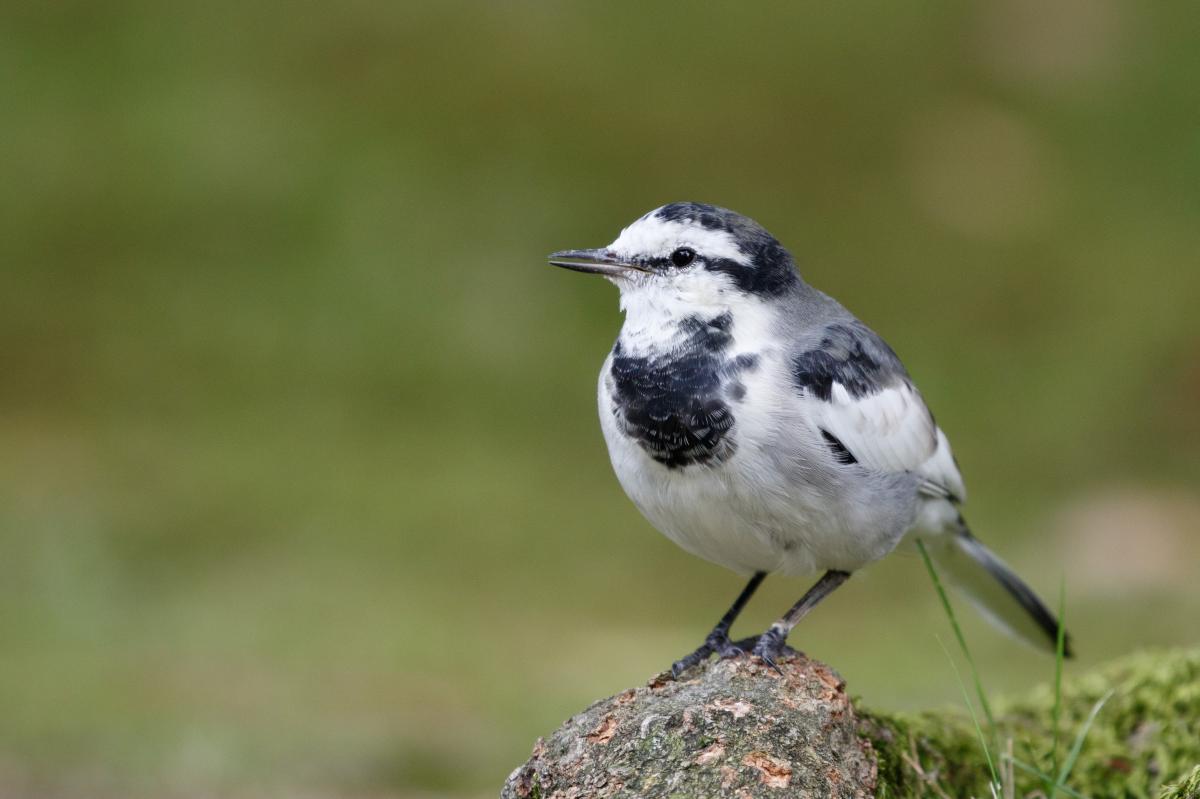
(302, 490)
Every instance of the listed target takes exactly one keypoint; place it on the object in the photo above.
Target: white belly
(763, 508)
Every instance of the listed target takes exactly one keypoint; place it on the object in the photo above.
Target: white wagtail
(759, 425)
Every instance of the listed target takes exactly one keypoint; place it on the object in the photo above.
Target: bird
(760, 425)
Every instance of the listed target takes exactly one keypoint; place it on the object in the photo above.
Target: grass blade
(974, 718)
(1060, 653)
(1032, 757)
(1046, 778)
(1077, 747)
(962, 641)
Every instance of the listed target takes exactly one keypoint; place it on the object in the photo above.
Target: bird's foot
(717, 643)
(772, 645)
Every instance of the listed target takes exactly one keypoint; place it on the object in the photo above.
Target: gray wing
(857, 392)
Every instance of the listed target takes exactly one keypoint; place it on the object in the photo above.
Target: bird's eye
(683, 256)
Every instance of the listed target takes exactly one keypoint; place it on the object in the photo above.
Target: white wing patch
(890, 431)
(942, 470)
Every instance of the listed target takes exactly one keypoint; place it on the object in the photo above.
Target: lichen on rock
(733, 728)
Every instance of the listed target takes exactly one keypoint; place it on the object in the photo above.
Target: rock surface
(731, 728)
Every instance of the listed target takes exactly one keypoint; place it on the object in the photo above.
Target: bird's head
(693, 253)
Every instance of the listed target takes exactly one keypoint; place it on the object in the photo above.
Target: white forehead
(653, 237)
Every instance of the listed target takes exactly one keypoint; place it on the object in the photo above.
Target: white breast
(773, 505)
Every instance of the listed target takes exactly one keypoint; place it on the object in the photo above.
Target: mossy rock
(734, 728)
(738, 728)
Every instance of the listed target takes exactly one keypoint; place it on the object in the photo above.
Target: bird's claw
(717, 643)
(730, 650)
(770, 645)
(687, 661)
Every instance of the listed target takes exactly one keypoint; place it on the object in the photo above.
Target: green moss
(1147, 732)
(943, 746)
(1186, 788)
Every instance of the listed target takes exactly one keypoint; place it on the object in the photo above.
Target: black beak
(596, 262)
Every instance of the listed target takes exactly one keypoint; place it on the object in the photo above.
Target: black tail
(999, 594)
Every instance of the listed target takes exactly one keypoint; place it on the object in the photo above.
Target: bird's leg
(771, 643)
(718, 640)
